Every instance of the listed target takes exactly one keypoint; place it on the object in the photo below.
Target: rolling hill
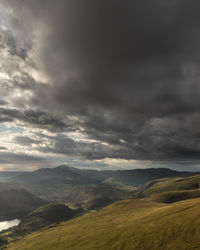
(165, 214)
(44, 216)
(128, 224)
(171, 189)
(89, 188)
(15, 203)
(73, 176)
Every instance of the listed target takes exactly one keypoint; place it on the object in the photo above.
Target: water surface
(9, 223)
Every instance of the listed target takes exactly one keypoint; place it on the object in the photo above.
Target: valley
(86, 209)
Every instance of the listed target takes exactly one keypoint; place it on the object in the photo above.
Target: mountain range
(86, 188)
(69, 175)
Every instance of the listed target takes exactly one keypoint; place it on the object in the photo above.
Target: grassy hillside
(15, 203)
(165, 214)
(174, 196)
(43, 217)
(129, 224)
(169, 184)
(171, 190)
(92, 195)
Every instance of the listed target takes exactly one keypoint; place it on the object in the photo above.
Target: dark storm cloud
(111, 53)
(64, 145)
(129, 70)
(148, 144)
(34, 118)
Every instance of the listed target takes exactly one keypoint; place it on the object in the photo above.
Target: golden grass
(129, 224)
(174, 196)
(172, 184)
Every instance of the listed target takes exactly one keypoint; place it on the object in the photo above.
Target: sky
(99, 84)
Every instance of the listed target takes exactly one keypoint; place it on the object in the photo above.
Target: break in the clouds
(101, 81)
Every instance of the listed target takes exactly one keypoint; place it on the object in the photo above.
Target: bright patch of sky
(10, 129)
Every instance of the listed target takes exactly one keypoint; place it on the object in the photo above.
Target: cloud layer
(102, 79)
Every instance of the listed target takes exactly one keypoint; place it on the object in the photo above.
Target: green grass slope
(129, 224)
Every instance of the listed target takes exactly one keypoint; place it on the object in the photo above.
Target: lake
(9, 223)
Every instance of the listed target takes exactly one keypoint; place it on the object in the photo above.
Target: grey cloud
(151, 144)
(63, 145)
(2, 102)
(13, 46)
(24, 140)
(128, 70)
(34, 118)
(87, 150)
(115, 53)
(14, 158)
